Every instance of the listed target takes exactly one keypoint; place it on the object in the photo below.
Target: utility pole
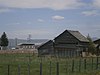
(29, 38)
(16, 41)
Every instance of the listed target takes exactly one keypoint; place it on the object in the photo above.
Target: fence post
(29, 58)
(73, 65)
(40, 68)
(57, 68)
(97, 63)
(66, 66)
(92, 63)
(50, 67)
(79, 65)
(8, 69)
(18, 69)
(28, 69)
(84, 64)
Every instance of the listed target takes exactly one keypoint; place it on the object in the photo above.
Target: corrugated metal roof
(78, 35)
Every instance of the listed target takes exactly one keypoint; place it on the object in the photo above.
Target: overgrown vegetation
(91, 46)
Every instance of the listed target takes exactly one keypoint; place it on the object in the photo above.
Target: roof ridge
(73, 30)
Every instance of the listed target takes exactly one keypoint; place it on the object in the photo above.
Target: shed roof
(50, 41)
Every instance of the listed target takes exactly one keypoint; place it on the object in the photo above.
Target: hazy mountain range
(14, 42)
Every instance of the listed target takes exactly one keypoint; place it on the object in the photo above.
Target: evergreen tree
(91, 46)
(4, 40)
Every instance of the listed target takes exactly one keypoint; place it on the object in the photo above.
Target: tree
(91, 45)
(4, 41)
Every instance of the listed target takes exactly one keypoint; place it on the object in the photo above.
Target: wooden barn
(70, 44)
(67, 44)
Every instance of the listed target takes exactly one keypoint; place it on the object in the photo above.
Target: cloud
(90, 13)
(13, 24)
(52, 4)
(57, 17)
(3, 10)
(96, 3)
(40, 20)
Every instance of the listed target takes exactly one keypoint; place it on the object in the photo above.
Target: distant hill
(14, 42)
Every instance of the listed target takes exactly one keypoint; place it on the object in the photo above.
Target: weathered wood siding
(66, 38)
(66, 45)
(46, 49)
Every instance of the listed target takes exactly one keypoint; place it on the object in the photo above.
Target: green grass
(26, 61)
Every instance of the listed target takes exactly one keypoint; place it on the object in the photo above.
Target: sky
(46, 19)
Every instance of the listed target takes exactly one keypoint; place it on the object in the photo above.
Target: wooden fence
(70, 67)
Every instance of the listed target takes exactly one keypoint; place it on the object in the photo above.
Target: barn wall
(46, 49)
(66, 45)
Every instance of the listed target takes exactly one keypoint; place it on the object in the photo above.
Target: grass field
(27, 64)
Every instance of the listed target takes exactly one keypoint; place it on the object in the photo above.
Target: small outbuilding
(26, 46)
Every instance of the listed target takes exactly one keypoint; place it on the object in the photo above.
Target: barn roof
(76, 34)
